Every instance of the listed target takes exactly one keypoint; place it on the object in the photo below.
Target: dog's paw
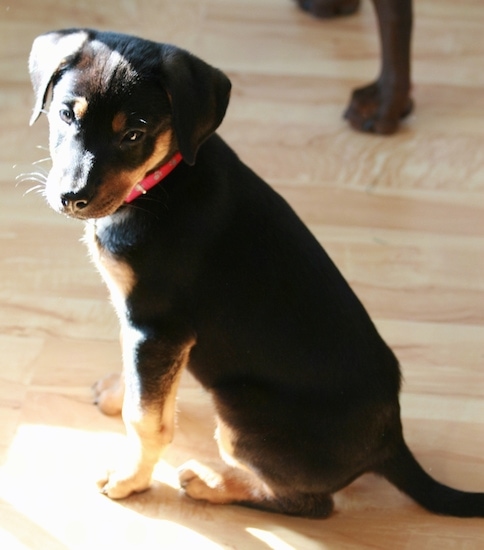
(120, 484)
(109, 393)
(197, 480)
(227, 486)
(329, 8)
(378, 109)
(201, 483)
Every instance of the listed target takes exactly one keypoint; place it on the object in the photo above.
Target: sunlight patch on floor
(49, 482)
(272, 541)
(7, 540)
(276, 536)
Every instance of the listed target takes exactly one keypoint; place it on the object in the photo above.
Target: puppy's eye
(66, 115)
(132, 136)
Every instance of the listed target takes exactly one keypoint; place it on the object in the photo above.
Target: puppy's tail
(403, 471)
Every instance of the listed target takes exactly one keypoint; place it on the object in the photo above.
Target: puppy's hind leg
(237, 484)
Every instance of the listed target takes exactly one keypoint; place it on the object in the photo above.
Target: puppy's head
(120, 106)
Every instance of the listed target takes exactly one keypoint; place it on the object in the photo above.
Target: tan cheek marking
(122, 182)
(119, 122)
(80, 107)
(162, 146)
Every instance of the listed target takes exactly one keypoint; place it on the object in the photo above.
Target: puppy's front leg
(152, 371)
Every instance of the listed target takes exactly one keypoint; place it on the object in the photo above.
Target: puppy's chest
(117, 273)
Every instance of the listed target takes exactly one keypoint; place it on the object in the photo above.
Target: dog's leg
(237, 484)
(379, 106)
(148, 410)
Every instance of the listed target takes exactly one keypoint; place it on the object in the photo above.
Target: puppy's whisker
(42, 147)
(42, 172)
(33, 177)
(36, 188)
(41, 160)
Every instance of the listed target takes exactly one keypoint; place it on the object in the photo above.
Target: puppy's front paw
(119, 484)
(109, 393)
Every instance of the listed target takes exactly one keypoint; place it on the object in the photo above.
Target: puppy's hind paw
(231, 485)
(198, 481)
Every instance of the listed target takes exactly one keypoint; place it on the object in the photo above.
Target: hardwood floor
(402, 216)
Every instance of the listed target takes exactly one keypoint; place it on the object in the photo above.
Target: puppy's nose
(74, 201)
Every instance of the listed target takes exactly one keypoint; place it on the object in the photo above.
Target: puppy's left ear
(199, 96)
(50, 53)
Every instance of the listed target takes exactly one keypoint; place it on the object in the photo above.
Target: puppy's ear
(199, 96)
(50, 53)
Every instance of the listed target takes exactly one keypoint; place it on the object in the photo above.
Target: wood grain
(402, 216)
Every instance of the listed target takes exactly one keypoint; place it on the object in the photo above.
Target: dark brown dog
(211, 270)
(381, 105)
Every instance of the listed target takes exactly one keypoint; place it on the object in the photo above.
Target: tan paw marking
(200, 482)
(119, 484)
(232, 485)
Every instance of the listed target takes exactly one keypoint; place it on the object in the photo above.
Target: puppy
(379, 106)
(209, 269)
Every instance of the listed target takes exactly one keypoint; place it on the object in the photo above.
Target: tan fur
(80, 107)
(119, 122)
(229, 486)
(118, 276)
(162, 148)
(226, 440)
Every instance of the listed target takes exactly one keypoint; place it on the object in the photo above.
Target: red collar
(154, 178)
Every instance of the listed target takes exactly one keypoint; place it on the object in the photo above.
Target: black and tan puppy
(211, 270)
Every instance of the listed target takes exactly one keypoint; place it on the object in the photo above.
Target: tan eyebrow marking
(80, 107)
(119, 122)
